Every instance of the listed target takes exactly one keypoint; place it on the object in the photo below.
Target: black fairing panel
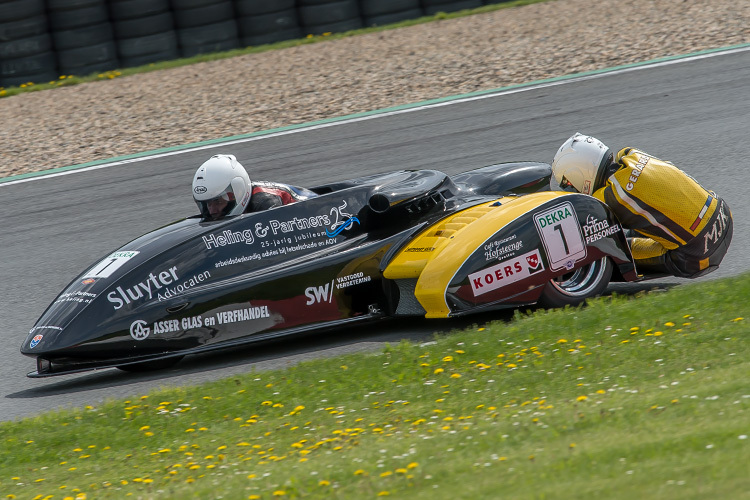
(505, 178)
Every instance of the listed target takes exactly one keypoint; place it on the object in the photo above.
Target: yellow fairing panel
(437, 253)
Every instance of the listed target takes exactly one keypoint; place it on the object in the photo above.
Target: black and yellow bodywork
(404, 243)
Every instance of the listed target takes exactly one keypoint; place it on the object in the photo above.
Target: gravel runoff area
(249, 93)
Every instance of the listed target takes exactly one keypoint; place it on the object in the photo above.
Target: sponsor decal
(637, 170)
(420, 249)
(324, 293)
(139, 330)
(587, 187)
(237, 260)
(559, 230)
(200, 189)
(77, 296)
(88, 281)
(352, 279)
(347, 224)
(155, 285)
(147, 287)
(319, 294)
(228, 238)
(112, 263)
(718, 228)
(500, 249)
(35, 341)
(595, 229)
(506, 272)
(244, 314)
(44, 327)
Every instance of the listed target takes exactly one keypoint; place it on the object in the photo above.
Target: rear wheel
(578, 285)
(148, 366)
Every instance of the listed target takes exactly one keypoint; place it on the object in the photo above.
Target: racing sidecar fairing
(403, 243)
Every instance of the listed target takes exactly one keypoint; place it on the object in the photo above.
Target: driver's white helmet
(222, 176)
(582, 162)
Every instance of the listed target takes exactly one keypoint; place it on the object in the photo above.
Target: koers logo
(139, 329)
(200, 189)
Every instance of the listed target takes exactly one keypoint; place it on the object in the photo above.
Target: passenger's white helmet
(222, 176)
(582, 162)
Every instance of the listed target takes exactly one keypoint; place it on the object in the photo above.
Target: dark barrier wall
(43, 39)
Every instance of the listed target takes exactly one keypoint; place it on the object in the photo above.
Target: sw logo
(319, 294)
(35, 341)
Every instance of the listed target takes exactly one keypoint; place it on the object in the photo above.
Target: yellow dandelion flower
(456, 375)
(386, 473)
(253, 497)
(601, 391)
(448, 358)
(669, 323)
(562, 341)
(383, 494)
(480, 329)
(511, 365)
(572, 445)
(324, 482)
(148, 433)
(412, 465)
(735, 320)
(658, 334)
(438, 371)
(359, 472)
(401, 471)
(582, 398)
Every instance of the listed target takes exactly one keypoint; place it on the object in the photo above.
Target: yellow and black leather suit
(686, 229)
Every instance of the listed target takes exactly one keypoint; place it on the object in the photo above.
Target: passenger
(684, 230)
(222, 187)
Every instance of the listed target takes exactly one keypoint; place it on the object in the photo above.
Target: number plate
(561, 234)
(105, 268)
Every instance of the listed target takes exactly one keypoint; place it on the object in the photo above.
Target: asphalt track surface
(694, 112)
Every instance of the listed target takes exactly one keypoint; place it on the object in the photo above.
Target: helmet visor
(218, 206)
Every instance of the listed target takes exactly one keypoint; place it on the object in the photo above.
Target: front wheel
(578, 285)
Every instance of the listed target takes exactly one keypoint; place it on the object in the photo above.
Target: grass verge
(67, 80)
(642, 397)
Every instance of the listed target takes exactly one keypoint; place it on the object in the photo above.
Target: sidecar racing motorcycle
(405, 243)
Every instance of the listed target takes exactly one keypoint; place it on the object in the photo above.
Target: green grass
(67, 80)
(627, 398)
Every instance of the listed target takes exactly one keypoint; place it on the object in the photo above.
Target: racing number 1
(561, 235)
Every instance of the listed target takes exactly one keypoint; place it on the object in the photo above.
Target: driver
(682, 229)
(222, 187)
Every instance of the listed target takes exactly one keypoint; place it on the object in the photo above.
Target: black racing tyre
(432, 7)
(71, 4)
(60, 20)
(132, 48)
(40, 68)
(82, 37)
(576, 286)
(339, 27)
(370, 8)
(72, 60)
(301, 3)
(201, 16)
(210, 38)
(192, 4)
(120, 10)
(330, 13)
(273, 37)
(14, 10)
(23, 28)
(94, 68)
(394, 17)
(143, 26)
(268, 23)
(148, 366)
(132, 62)
(25, 47)
(257, 7)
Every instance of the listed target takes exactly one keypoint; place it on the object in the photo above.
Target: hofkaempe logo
(139, 329)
